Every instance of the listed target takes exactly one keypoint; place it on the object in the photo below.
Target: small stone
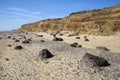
(26, 41)
(86, 39)
(40, 35)
(7, 59)
(77, 37)
(45, 54)
(13, 38)
(85, 36)
(74, 44)
(19, 47)
(102, 48)
(0, 37)
(17, 41)
(9, 45)
(42, 40)
(57, 39)
(9, 37)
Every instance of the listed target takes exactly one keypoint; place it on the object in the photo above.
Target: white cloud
(19, 13)
(23, 10)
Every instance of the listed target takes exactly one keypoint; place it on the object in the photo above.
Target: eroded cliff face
(97, 22)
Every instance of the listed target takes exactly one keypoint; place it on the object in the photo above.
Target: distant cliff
(96, 22)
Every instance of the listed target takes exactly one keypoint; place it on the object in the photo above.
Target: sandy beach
(66, 64)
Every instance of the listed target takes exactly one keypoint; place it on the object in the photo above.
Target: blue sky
(14, 13)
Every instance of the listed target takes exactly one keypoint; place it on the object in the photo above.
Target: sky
(14, 13)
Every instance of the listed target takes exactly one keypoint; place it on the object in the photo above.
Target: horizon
(15, 13)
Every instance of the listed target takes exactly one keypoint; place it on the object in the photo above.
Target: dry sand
(65, 65)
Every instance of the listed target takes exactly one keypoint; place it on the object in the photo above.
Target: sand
(65, 65)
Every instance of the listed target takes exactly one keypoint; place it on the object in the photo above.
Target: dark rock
(0, 37)
(77, 37)
(7, 59)
(42, 40)
(86, 39)
(60, 34)
(30, 39)
(57, 39)
(40, 35)
(17, 41)
(85, 36)
(93, 60)
(13, 38)
(9, 37)
(79, 46)
(24, 37)
(9, 45)
(45, 54)
(26, 41)
(18, 47)
(74, 44)
(102, 48)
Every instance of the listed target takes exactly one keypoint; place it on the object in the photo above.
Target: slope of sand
(65, 65)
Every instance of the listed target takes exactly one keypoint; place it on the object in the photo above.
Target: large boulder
(92, 60)
(45, 54)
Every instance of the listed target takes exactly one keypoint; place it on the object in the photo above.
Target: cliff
(96, 22)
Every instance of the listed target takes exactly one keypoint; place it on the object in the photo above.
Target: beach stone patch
(42, 41)
(60, 34)
(9, 45)
(77, 37)
(45, 54)
(13, 38)
(26, 42)
(94, 61)
(7, 59)
(9, 37)
(30, 39)
(17, 40)
(24, 37)
(57, 39)
(86, 39)
(85, 36)
(40, 35)
(0, 37)
(102, 48)
(19, 47)
(75, 45)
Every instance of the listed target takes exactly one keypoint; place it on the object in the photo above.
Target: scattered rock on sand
(75, 45)
(93, 60)
(85, 36)
(9, 45)
(45, 54)
(13, 38)
(40, 35)
(9, 37)
(7, 59)
(102, 48)
(0, 37)
(57, 39)
(17, 41)
(77, 37)
(86, 39)
(19, 47)
(26, 41)
(42, 41)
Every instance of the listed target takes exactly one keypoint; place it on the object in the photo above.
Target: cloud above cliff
(22, 13)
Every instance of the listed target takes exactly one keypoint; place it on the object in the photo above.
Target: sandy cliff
(96, 22)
